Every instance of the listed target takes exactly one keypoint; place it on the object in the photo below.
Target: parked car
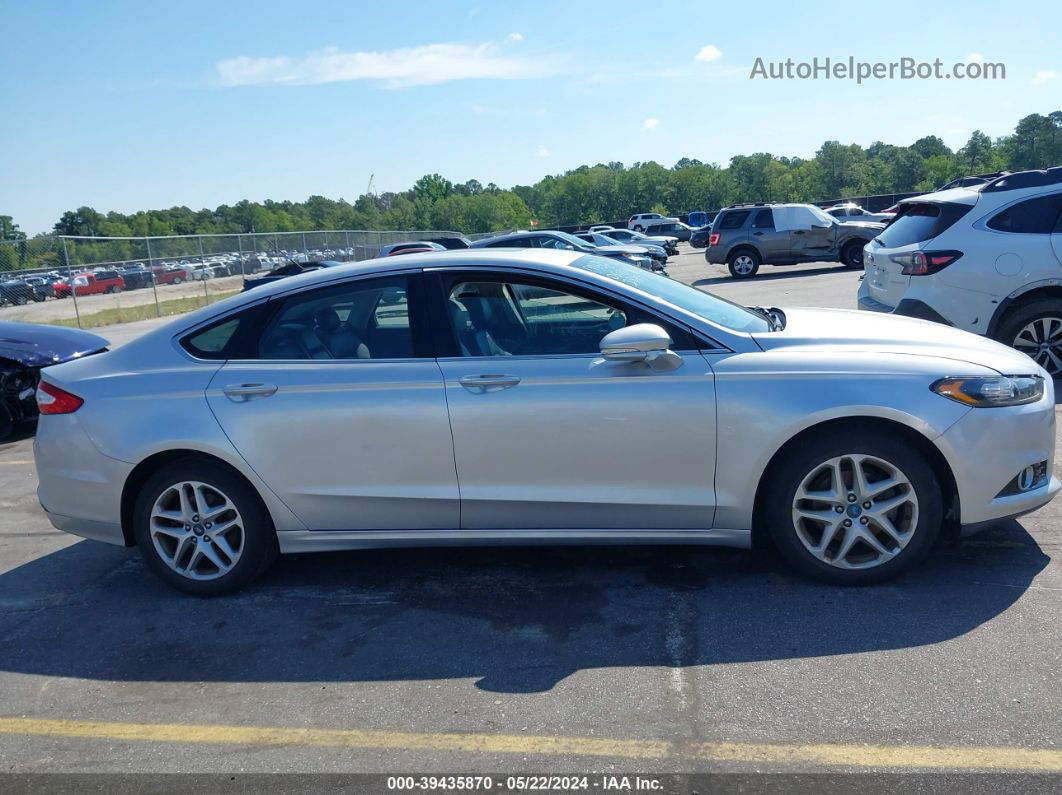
(17, 292)
(137, 277)
(629, 237)
(745, 236)
(853, 212)
(458, 241)
(699, 237)
(640, 221)
(562, 240)
(41, 286)
(984, 258)
(669, 226)
(104, 281)
(574, 398)
(25, 348)
(600, 240)
(284, 271)
(419, 246)
(169, 274)
(200, 272)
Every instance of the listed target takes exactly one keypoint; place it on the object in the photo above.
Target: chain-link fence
(99, 281)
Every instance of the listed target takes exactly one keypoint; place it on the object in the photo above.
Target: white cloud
(975, 57)
(542, 151)
(409, 66)
(709, 53)
(1046, 76)
(650, 124)
(515, 37)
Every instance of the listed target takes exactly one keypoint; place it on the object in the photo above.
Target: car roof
(553, 260)
(951, 195)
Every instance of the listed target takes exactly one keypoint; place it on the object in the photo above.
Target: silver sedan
(536, 396)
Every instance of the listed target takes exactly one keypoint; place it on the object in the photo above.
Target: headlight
(1004, 390)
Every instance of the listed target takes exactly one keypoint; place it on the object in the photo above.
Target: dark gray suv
(746, 236)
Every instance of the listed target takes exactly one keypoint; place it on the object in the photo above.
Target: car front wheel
(853, 508)
(203, 529)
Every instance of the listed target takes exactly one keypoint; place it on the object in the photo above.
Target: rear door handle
(243, 392)
(491, 382)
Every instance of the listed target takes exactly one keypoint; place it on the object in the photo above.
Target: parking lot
(544, 659)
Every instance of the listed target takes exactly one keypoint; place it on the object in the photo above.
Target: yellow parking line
(875, 756)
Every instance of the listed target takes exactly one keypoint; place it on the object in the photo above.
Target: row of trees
(607, 191)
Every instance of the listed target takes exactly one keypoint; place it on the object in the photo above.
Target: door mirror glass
(642, 342)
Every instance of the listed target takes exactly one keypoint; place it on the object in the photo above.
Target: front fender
(766, 399)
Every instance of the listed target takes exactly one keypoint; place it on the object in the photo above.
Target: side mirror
(642, 342)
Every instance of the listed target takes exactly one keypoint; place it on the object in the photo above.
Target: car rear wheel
(1036, 330)
(177, 279)
(853, 509)
(743, 264)
(202, 528)
(852, 255)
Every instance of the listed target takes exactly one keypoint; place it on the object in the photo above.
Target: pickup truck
(745, 236)
(169, 275)
(91, 284)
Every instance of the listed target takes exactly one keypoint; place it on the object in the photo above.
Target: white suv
(984, 258)
(641, 220)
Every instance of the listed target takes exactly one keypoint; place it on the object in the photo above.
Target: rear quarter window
(1039, 216)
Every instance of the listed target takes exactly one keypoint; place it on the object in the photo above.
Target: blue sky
(131, 105)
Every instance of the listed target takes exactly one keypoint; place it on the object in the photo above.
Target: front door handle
(491, 382)
(243, 392)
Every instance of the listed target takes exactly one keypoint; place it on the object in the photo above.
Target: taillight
(713, 239)
(925, 263)
(53, 400)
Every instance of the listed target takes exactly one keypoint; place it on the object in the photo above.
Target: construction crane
(368, 188)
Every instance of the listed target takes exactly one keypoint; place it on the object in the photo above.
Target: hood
(844, 330)
(638, 251)
(33, 345)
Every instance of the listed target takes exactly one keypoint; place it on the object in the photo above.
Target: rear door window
(764, 220)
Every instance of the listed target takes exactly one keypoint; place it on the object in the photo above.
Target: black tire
(638, 228)
(804, 456)
(21, 300)
(852, 255)
(177, 280)
(744, 263)
(1022, 316)
(259, 536)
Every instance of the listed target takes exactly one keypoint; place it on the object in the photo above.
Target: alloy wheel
(197, 530)
(743, 264)
(855, 511)
(1042, 340)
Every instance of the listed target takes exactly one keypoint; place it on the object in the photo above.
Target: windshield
(822, 216)
(580, 244)
(712, 308)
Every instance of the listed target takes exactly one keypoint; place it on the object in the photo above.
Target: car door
(773, 243)
(810, 237)
(547, 434)
(339, 406)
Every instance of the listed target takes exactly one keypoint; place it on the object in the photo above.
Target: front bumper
(988, 447)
